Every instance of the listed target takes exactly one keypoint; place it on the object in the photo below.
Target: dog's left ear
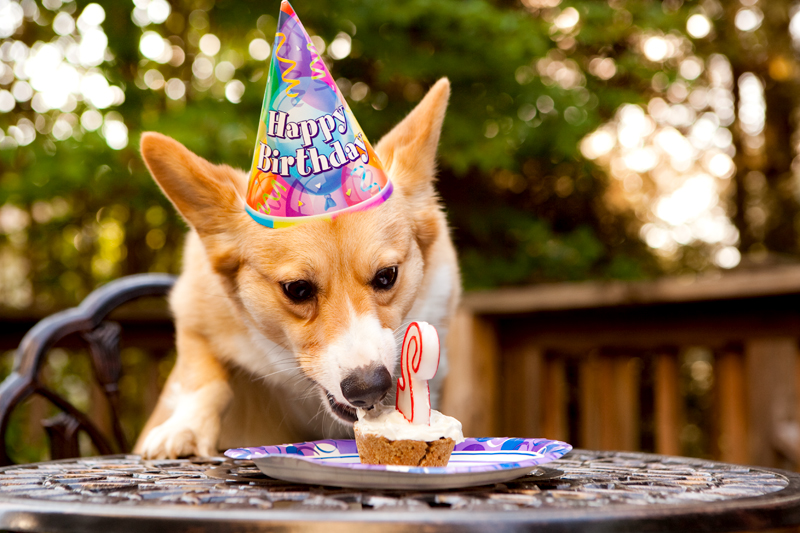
(408, 153)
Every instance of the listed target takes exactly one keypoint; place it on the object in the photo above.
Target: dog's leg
(188, 416)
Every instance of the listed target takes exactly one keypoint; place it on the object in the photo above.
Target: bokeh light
(11, 16)
(259, 49)
(698, 26)
(567, 20)
(158, 11)
(155, 47)
(672, 161)
(656, 48)
(340, 46)
(115, 132)
(603, 67)
(63, 24)
(234, 91)
(209, 44)
(175, 89)
(58, 76)
(91, 120)
(748, 19)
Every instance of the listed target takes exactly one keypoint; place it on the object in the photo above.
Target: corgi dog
(282, 333)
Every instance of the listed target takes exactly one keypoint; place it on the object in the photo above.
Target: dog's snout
(366, 386)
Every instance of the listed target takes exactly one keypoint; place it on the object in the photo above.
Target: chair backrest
(102, 338)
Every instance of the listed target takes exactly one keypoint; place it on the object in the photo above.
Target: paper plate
(335, 462)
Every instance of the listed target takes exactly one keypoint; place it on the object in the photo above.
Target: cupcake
(411, 434)
(385, 437)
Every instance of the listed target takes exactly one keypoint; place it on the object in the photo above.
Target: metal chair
(102, 338)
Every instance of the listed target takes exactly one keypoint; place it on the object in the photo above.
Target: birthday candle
(419, 360)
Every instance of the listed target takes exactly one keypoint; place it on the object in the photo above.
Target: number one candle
(419, 361)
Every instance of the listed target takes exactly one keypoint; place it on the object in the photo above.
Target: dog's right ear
(207, 195)
(409, 155)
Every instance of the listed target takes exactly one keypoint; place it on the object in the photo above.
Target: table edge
(776, 509)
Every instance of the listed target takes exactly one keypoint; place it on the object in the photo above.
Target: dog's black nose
(367, 385)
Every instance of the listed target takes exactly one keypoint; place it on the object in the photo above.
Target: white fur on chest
(434, 304)
(433, 307)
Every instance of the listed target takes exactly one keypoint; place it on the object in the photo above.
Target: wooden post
(771, 368)
(618, 401)
(554, 400)
(606, 413)
(590, 381)
(731, 393)
(470, 391)
(522, 390)
(668, 402)
(627, 376)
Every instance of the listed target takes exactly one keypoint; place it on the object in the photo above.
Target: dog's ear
(207, 195)
(408, 153)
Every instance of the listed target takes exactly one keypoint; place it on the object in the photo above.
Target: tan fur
(227, 389)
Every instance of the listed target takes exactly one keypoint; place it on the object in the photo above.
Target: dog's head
(334, 292)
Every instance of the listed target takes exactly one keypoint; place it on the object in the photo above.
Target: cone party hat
(312, 161)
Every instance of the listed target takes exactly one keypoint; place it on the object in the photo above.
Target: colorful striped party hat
(312, 160)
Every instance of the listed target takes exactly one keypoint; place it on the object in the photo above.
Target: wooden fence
(604, 365)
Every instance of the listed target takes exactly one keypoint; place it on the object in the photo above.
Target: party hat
(312, 160)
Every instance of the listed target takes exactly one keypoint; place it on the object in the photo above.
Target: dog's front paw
(174, 439)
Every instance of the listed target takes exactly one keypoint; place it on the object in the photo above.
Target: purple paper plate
(336, 462)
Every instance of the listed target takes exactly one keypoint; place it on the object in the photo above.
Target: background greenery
(525, 204)
(91, 213)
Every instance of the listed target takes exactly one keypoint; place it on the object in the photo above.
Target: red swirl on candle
(419, 361)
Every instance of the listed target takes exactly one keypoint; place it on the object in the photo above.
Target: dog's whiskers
(277, 372)
(400, 332)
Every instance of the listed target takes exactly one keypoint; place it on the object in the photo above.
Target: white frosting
(390, 423)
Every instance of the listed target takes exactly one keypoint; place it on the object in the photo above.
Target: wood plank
(521, 393)
(618, 401)
(708, 325)
(627, 377)
(591, 394)
(470, 391)
(606, 412)
(669, 412)
(554, 400)
(455, 386)
(771, 369)
(731, 393)
(594, 294)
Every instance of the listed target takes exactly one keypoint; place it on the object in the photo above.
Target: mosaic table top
(621, 491)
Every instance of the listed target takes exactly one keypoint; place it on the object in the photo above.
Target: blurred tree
(572, 129)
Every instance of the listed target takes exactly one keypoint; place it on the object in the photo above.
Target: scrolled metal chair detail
(102, 337)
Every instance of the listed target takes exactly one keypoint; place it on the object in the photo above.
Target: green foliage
(524, 205)
(517, 248)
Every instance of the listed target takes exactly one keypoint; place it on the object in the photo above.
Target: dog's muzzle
(363, 387)
(345, 412)
(367, 385)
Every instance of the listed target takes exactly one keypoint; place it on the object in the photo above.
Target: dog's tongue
(312, 160)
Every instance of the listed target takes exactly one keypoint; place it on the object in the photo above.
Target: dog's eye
(385, 278)
(299, 291)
